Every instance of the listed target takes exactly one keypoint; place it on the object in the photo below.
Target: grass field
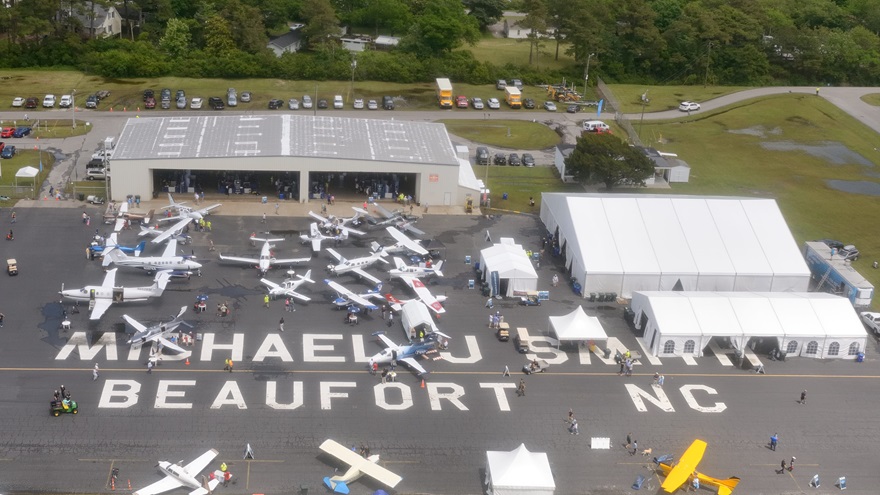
(872, 99)
(23, 158)
(665, 97)
(728, 163)
(502, 51)
(520, 183)
(515, 134)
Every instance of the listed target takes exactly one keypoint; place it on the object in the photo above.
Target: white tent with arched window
(808, 324)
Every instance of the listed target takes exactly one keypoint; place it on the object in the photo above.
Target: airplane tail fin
(140, 248)
(148, 216)
(336, 486)
(726, 487)
(375, 246)
(313, 230)
(307, 277)
(162, 279)
(399, 263)
(437, 268)
(112, 255)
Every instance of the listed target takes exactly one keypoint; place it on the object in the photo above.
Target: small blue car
(8, 152)
(21, 132)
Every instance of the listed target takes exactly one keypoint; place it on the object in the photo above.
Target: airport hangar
(211, 153)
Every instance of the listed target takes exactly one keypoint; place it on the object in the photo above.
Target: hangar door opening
(275, 185)
(355, 186)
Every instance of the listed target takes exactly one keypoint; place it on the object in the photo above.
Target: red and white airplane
(422, 294)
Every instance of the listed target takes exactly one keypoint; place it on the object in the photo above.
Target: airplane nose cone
(194, 264)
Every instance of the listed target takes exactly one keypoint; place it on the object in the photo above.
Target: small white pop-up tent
(577, 327)
(515, 270)
(519, 472)
(27, 173)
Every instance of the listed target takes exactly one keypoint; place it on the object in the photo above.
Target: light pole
(73, 107)
(587, 72)
(642, 120)
(354, 64)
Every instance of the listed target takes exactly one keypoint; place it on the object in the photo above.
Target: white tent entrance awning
(577, 327)
(515, 270)
(519, 472)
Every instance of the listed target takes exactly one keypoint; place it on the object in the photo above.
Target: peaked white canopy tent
(624, 243)
(577, 326)
(519, 472)
(514, 268)
(809, 324)
(27, 173)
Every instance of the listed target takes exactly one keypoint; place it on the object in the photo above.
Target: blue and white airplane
(112, 243)
(407, 353)
(345, 297)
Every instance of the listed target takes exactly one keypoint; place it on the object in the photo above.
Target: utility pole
(642, 120)
(708, 59)
(73, 107)
(354, 64)
(587, 73)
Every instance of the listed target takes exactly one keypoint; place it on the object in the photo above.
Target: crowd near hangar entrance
(301, 157)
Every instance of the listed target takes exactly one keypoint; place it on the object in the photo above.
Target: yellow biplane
(686, 470)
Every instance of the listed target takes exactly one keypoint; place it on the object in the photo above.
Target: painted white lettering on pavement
(327, 395)
(272, 396)
(500, 394)
(229, 394)
(80, 342)
(360, 353)
(687, 392)
(208, 346)
(661, 401)
(126, 390)
(560, 356)
(436, 396)
(474, 354)
(273, 347)
(309, 348)
(164, 393)
(381, 391)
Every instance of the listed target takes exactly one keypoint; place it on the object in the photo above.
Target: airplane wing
(207, 209)
(287, 292)
(381, 209)
(385, 340)
(408, 226)
(120, 222)
(316, 244)
(109, 279)
(290, 261)
(351, 296)
(101, 306)
(366, 275)
(252, 261)
(405, 241)
(412, 363)
(335, 254)
(170, 248)
(366, 467)
(200, 462)
(685, 468)
(318, 217)
(167, 483)
(352, 231)
(134, 323)
(424, 294)
(177, 227)
(171, 345)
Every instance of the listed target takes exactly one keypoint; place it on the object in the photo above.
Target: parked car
(181, 103)
(101, 153)
(21, 132)
(689, 106)
(165, 104)
(97, 174)
(91, 101)
(275, 104)
(322, 104)
(372, 105)
(231, 91)
(514, 160)
(95, 163)
(493, 103)
(148, 93)
(232, 100)
(596, 126)
(528, 160)
(573, 109)
(293, 104)
(66, 101)
(517, 83)
(18, 101)
(388, 103)
(49, 101)
(477, 103)
(358, 103)
(500, 159)
(216, 103)
(165, 94)
(501, 84)
(306, 101)
(461, 101)
(150, 102)
(8, 151)
(482, 156)
(180, 94)
(832, 243)
(196, 103)
(529, 103)
(102, 94)
(338, 102)
(31, 102)
(7, 132)
(872, 321)
(246, 97)
(849, 253)
(2, 145)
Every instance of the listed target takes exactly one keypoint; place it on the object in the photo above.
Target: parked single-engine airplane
(686, 470)
(187, 211)
(345, 297)
(403, 245)
(356, 265)
(183, 476)
(408, 271)
(266, 259)
(358, 466)
(168, 261)
(159, 236)
(123, 214)
(424, 295)
(334, 222)
(315, 236)
(157, 333)
(407, 353)
(112, 243)
(396, 217)
(289, 286)
(100, 297)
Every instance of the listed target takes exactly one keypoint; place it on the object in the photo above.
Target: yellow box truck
(444, 92)
(513, 97)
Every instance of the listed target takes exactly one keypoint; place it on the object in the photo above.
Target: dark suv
(216, 103)
(275, 104)
(388, 103)
(514, 160)
(148, 93)
(500, 159)
(482, 155)
(92, 101)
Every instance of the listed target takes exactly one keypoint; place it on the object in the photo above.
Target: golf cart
(65, 406)
(535, 366)
(11, 266)
(530, 299)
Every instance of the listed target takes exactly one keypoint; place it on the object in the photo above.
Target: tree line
(741, 42)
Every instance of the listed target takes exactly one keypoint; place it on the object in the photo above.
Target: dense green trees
(646, 41)
(606, 159)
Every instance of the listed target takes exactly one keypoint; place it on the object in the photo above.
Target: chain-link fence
(610, 101)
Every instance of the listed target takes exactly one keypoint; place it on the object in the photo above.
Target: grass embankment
(512, 134)
(520, 183)
(665, 97)
(728, 163)
(872, 99)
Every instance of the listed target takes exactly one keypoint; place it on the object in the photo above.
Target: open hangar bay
(436, 444)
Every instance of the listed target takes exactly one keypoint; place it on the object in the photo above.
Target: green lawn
(515, 134)
(665, 97)
(502, 51)
(520, 183)
(725, 163)
(872, 99)
(23, 158)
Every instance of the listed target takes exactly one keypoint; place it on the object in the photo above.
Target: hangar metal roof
(229, 136)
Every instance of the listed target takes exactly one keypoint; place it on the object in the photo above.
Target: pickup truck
(872, 321)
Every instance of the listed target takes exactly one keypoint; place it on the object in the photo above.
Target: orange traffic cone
(129, 484)
(423, 383)
(111, 109)
(113, 483)
(187, 362)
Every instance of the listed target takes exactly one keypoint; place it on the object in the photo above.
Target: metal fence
(610, 101)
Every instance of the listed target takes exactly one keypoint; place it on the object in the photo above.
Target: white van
(337, 102)
(596, 126)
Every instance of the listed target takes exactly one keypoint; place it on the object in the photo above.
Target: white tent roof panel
(520, 471)
(706, 246)
(755, 315)
(736, 233)
(715, 315)
(666, 236)
(600, 255)
(767, 223)
(577, 325)
(837, 317)
(630, 237)
(796, 315)
(674, 313)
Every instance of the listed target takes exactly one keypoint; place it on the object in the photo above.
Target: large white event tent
(577, 326)
(519, 472)
(514, 268)
(809, 324)
(624, 243)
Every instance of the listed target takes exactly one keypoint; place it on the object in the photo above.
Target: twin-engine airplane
(403, 244)
(407, 353)
(345, 297)
(169, 260)
(159, 236)
(356, 265)
(187, 211)
(266, 259)
(358, 466)
(100, 297)
(157, 333)
(334, 222)
(316, 237)
(686, 470)
(396, 217)
(406, 271)
(177, 476)
(289, 286)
